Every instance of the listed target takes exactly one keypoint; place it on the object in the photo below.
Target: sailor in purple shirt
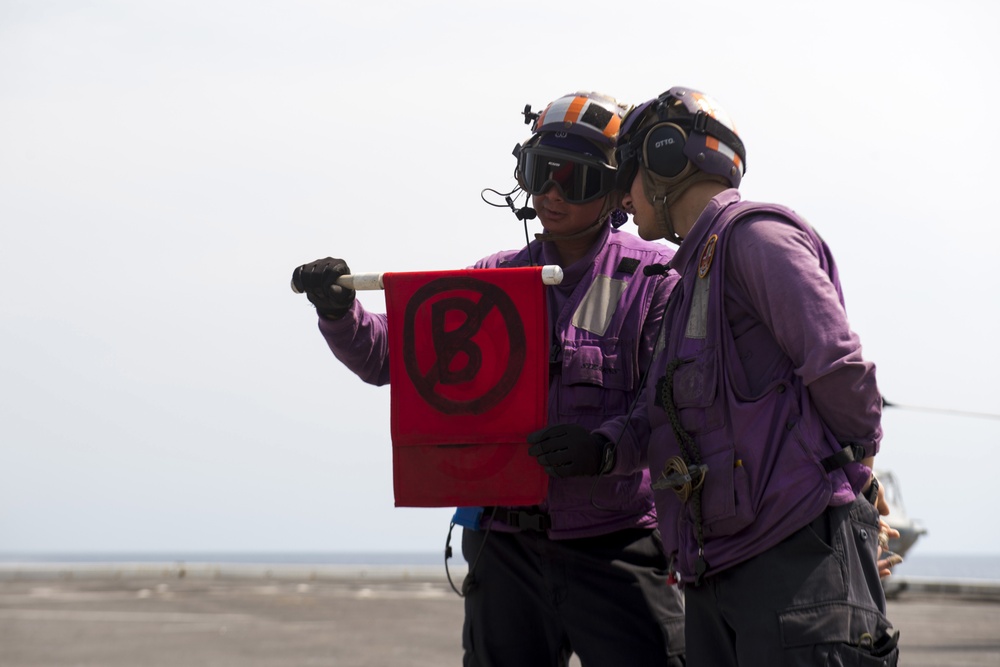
(584, 572)
(761, 416)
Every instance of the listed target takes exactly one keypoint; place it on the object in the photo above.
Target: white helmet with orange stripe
(593, 116)
(572, 147)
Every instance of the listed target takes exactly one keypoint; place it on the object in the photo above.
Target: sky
(165, 166)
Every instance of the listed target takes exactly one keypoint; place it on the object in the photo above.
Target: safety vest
(764, 454)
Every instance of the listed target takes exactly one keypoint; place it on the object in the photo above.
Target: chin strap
(666, 192)
(663, 221)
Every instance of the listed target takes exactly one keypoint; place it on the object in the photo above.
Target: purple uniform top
(605, 318)
(765, 379)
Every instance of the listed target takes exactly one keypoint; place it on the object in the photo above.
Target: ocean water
(950, 566)
(982, 567)
(242, 558)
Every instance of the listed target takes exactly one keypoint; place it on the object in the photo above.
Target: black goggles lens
(580, 179)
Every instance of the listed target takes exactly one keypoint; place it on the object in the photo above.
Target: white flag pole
(551, 275)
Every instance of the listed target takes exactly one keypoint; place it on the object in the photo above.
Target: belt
(531, 519)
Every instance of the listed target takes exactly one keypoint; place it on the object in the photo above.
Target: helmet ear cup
(664, 150)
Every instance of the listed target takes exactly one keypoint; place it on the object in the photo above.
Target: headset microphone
(523, 213)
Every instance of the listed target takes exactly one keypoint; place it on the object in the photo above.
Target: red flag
(468, 357)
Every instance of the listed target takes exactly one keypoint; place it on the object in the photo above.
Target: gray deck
(169, 616)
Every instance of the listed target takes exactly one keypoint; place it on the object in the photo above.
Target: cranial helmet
(681, 137)
(679, 128)
(571, 147)
(593, 116)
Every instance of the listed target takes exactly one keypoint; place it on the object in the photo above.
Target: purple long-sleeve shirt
(605, 318)
(769, 381)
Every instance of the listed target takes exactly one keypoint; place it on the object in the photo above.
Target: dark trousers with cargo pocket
(814, 599)
(532, 601)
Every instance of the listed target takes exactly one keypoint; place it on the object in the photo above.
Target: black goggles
(579, 178)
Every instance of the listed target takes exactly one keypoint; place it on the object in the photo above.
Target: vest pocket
(595, 380)
(695, 394)
(725, 500)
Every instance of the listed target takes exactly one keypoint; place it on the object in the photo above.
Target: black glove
(319, 281)
(570, 450)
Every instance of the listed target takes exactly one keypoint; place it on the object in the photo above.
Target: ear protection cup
(664, 150)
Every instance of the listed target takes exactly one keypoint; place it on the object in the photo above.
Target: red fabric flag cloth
(468, 358)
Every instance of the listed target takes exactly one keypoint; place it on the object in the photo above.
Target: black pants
(814, 599)
(532, 601)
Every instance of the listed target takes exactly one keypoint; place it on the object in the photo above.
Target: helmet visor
(579, 178)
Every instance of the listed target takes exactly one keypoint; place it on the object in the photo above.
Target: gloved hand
(570, 450)
(318, 280)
